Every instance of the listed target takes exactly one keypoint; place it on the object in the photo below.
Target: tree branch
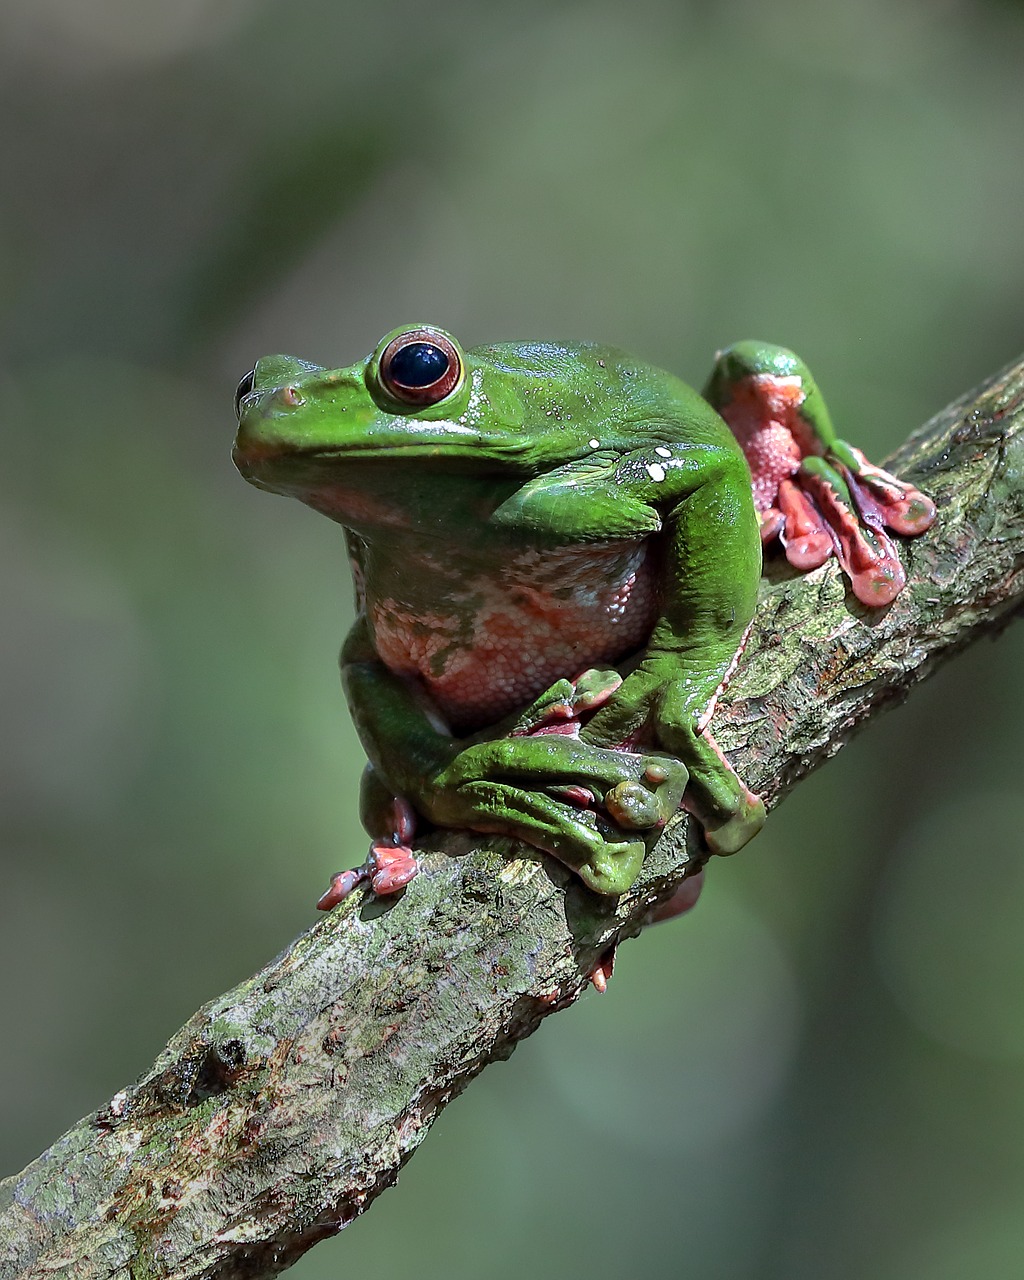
(281, 1109)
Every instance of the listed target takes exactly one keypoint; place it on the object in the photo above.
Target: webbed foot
(729, 835)
(391, 863)
(669, 701)
(388, 869)
(816, 494)
(561, 707)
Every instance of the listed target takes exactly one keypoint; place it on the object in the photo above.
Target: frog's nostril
(244, 388)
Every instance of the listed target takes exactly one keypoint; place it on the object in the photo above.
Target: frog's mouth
(300, 472)
(275, 461)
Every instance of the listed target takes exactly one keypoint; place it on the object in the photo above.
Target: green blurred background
(820, 1072)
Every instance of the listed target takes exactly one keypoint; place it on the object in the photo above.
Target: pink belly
(493, 643)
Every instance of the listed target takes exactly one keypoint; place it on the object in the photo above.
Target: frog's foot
(561, 708)
(866, 552)
(730, 836)
(602, 971)
(388, 869)
(882, 497)
(392, 867)
(816, 494)
(603, 860)
(390, 864)
(824, 509)
(684, 899)
(799, 526)
(729, 812)
(342, 884)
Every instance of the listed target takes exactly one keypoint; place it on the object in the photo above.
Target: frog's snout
(257, 441)
(273, 387)
(283, 374)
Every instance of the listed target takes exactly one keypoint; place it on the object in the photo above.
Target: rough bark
(278, 1113)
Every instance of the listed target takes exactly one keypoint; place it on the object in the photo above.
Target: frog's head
(295, 419)
(418, 405)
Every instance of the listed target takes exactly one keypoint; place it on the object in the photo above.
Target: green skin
(550, 449)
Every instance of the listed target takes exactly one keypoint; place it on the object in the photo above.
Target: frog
(557, 552)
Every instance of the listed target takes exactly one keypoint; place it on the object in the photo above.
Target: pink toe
(340, 887)
(879, 585)
(911, 515)
(809, 551)
(396, 875)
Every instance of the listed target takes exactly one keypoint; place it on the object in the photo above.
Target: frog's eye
(244, 388)
(420, 367)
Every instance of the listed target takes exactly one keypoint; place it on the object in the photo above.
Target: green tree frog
(556, 551)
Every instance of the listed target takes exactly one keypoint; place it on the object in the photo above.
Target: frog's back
(606, 383)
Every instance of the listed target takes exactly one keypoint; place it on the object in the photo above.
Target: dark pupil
(418, 365)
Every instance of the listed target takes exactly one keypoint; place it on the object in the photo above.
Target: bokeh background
(821, 1071)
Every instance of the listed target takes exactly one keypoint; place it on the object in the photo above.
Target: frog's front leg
(814, 492)
(668, 700)
(694, 490)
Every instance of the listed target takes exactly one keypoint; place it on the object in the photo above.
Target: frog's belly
(492, 642)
